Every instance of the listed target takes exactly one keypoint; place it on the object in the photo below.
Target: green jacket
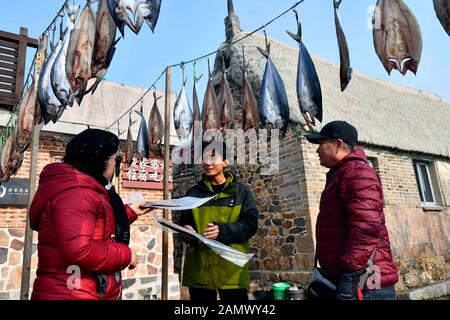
(234, 211)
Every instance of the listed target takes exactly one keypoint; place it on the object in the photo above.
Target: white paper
(134, 197)
(184, 203)
(226, 252)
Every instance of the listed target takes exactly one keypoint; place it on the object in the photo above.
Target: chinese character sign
(145, 174)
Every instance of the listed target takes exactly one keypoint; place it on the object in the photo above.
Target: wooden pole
(165, 235)
(21, 58)
(28, 242)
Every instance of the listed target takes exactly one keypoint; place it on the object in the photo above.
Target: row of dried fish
(86, 52)
(150, 138)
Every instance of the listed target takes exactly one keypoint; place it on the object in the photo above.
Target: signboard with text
(14, 193)
(146, 174)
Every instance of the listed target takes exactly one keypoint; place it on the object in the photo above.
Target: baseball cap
(335, 130)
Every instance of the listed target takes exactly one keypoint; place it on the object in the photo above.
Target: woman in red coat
(83, 225)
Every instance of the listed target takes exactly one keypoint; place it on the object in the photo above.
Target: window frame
(420, 181)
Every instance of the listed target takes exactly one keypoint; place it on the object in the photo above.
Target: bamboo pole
(165, 236)
(28, 242)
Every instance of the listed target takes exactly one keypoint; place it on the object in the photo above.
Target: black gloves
(347, 287)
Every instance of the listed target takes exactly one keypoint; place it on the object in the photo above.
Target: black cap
(335, 130)
(92, 143)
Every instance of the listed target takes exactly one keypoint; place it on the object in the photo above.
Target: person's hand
(136, 208)
(347, 288)
(212, 231)
(134, 260)
(186, 237)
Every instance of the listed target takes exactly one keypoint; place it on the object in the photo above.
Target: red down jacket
(351, 222)
(75, 221)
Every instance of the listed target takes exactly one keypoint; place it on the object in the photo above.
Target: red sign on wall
(146, 174)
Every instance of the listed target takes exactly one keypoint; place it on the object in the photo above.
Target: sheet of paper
(226, 252)
(184, 203)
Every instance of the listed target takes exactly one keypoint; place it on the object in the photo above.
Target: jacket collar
(227, 190)
(355, 155)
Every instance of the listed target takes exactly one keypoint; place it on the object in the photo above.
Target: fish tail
(263, 52)
(296, 37)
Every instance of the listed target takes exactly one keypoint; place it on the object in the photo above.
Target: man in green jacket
(230, 218)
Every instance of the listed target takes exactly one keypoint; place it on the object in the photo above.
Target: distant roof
(101, 109)
(385, 114)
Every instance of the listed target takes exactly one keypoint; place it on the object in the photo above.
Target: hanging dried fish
(156, 125)
(250, 115)
(142, 139)
(119, 12)
(80, 51)
(104, 45)
(153, 18)
(28, 116)
(129, 152)
(183, 117)
(396, 36)
(195, 105)
(51, 107)
(210, 110)
(309, 93)
(442, 9)
(12, 158)
(58, 77)
(145, 10)
(226, 103)
(345, 69)
(273, 101)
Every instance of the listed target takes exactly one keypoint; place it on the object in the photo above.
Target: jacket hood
(357, 154)
(54, 179)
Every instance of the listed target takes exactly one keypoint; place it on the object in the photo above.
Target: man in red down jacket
(350, 227)
(83, 224)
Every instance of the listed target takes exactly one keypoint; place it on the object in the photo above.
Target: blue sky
(187, 29)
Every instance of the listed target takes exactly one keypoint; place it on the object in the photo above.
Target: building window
(424, 182)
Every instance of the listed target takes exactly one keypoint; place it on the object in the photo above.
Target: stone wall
(146, 238)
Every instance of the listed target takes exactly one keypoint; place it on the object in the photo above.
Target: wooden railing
(13, 52)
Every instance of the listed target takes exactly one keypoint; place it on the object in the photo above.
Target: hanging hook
(296, 15)
(183, 67)
(223, 64)
(195, 74)
(131, 112)
(265, 37)
(244, 68)
(53, 28)
(209, 69)
(61, 27)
